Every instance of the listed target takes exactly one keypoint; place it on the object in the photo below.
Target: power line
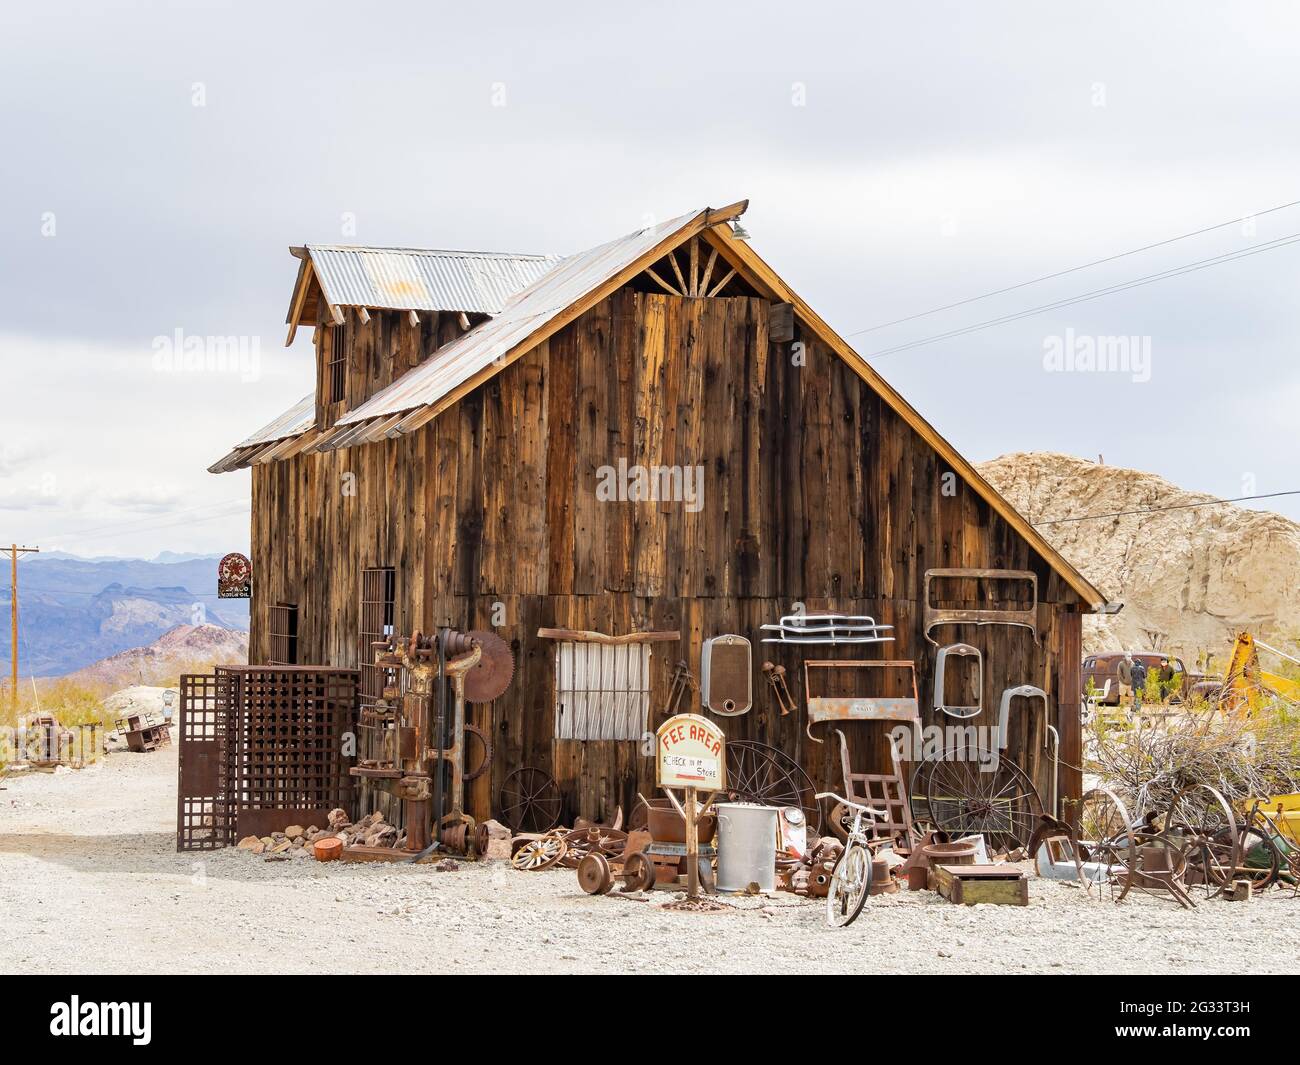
(1074, 269)
(1161, 510)
(1124, 286)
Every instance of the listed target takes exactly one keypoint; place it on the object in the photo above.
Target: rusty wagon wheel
(485, 758)
(580, 842)
(1201, 815)
(530, 800)
(538, 854)
(1107, 844)
(767, 776)
(1002, 805)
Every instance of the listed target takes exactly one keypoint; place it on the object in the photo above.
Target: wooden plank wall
(815, 492)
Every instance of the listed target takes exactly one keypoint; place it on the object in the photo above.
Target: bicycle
(851, 882)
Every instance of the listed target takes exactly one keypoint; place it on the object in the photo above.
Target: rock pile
(296, 840)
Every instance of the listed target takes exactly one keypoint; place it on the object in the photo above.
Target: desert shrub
(1149, 763)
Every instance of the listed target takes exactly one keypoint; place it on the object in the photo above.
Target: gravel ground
(93, 884)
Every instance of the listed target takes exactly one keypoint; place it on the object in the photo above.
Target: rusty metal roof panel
(411, 279)
(451, 365)
(296, 420)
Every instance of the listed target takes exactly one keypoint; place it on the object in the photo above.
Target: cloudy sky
(159, 158)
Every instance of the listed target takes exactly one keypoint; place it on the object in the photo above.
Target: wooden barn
(655, 436)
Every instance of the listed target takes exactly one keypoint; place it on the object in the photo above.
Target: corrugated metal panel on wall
(602, 691)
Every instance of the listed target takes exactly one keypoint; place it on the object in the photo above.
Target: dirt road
(90, 881)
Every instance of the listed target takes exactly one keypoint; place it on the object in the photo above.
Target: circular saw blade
(495, 669)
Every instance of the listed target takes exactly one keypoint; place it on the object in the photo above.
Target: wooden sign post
(691, 755)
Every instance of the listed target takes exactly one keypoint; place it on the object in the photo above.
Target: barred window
(284, 634)
(378, 621)
(336, 363)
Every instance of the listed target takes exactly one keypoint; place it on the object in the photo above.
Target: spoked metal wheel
(1002, 805)
(530, 800)
(764, 775)
(1106, 843)
(1202, 817)
(849, 887)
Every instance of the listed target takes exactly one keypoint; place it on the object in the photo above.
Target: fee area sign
(690, 754)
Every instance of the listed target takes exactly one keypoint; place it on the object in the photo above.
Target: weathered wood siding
(815, 492)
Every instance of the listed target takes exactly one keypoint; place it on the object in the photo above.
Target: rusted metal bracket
(935, 616)
(822, 709)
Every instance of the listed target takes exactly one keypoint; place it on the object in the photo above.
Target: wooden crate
(974, 885)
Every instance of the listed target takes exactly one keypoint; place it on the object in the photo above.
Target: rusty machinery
(422, 742)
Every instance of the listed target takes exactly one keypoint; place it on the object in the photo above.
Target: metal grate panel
(202, 808)
(289, 737)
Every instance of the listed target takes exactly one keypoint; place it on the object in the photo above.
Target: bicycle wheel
(850, 884)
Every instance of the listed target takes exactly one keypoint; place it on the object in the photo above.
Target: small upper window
(336, 364)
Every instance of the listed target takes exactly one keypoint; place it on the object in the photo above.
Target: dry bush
(1242, 757)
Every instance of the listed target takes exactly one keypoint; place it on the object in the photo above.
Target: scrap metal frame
(935, 616)
(822, 709)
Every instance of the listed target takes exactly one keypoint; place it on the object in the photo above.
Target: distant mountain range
(76, 611)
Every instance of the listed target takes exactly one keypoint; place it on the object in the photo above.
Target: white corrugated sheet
(602, 691)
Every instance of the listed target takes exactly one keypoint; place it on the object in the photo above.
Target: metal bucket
(746, 847)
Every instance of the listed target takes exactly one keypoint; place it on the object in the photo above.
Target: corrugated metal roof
(297, 419)
(556, 291)
(411, 279)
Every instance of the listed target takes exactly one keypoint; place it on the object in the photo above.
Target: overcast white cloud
(898, 157)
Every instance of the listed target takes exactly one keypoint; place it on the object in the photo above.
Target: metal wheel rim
(530, 800)
(764, 775)
(1220, 868)
(1003, 806)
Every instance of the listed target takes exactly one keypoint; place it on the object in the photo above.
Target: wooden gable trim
(306, 276)
(763, 277)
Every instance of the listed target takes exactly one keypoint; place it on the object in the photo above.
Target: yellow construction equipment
(1247, 686)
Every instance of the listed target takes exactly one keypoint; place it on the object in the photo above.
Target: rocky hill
(183, 649)
(1196, 575)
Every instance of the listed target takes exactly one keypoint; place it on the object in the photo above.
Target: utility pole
(14, 552)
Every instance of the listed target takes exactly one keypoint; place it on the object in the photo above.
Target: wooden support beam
(662, 283)
(363, 314)
(413, 317)
(463, 319)
(708, 270)
(723, 283)
(681, 280)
